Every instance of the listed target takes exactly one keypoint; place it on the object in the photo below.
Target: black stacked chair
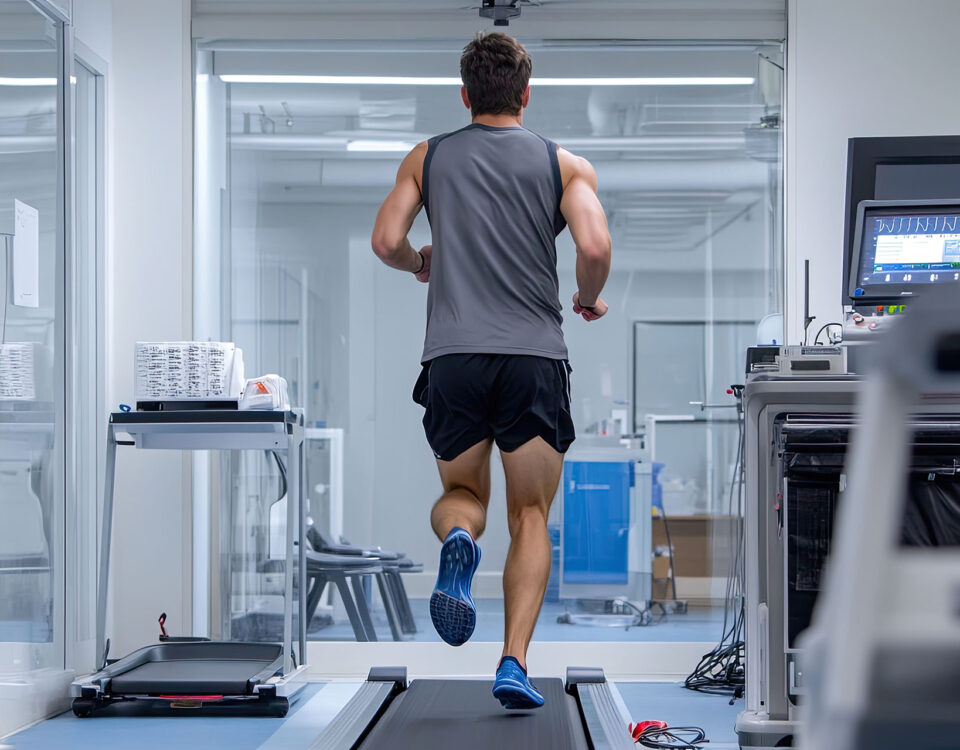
(323, 568)
(389, 581)
(347, 567)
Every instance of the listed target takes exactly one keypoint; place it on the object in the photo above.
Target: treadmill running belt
(189, 676)
(439, 714)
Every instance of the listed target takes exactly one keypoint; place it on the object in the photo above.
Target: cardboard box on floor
(703, 549)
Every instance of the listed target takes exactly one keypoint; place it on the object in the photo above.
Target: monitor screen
(904, 246)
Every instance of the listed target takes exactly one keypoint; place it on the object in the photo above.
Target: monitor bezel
(889, 291)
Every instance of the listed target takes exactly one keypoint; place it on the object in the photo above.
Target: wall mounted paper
(26, 255)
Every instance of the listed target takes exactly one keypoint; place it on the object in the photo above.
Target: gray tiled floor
(674, 704)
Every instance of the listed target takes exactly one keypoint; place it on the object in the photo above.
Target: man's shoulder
(572, 166)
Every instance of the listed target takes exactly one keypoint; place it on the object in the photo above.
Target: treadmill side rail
(582, 675)
(606, 727)
(355, 719)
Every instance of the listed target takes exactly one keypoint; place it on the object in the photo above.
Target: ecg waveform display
(910, 225)
(910, 249)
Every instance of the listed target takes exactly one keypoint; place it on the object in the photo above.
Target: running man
(494, 361)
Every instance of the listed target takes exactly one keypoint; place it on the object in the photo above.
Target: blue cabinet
(596, 521)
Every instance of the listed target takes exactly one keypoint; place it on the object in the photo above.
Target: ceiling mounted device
(501, 11)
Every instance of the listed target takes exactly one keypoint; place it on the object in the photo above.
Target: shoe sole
(452, 609)
(515, 697)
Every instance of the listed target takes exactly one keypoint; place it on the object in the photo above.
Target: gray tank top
(492, 197)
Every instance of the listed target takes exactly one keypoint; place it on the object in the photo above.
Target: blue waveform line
(946, 224)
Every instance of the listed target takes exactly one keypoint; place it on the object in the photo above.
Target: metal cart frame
(195, 430)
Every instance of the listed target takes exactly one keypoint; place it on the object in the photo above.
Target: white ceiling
(447, 19)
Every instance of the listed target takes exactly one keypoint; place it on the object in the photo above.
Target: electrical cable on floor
(721, 671)
(656, 734)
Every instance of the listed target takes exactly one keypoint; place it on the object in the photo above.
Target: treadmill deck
(196, 676)
(435, 714)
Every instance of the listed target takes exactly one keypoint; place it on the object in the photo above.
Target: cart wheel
(83, 707)
(279, 707)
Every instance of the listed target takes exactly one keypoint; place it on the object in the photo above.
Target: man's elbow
(382, 246)
(596, 252)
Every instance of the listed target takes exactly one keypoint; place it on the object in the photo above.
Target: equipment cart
(254, 678)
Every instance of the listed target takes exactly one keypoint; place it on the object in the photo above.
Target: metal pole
(288, 556)
(107, 528)
(301, 536)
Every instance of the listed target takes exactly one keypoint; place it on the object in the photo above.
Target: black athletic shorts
(512, 398)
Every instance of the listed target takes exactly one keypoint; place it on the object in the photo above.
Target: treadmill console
(899, 249)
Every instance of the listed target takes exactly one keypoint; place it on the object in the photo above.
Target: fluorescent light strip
(28, 81)
(362, 145)
(441, 81)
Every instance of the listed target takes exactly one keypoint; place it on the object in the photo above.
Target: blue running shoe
(452, 609)
(513, 688)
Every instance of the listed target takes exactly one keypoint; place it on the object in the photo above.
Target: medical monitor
(900, 247)
(902, 168)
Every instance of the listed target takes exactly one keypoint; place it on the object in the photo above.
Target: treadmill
(387, 714)
(211, 677)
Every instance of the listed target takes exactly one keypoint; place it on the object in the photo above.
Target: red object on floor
(639, 728)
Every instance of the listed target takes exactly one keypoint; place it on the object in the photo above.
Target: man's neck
(499, 121)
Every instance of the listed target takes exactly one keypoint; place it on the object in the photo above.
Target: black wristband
(423, 262)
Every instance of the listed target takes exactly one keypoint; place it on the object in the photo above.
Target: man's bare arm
(396, 215)
(588, 225)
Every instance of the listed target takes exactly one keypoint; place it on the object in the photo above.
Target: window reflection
(31, 487)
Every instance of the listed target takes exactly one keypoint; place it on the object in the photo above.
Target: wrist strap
(423, 262)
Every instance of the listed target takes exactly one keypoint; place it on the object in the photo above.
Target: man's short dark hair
(495, 68)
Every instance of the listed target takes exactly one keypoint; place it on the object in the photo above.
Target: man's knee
(526, 518)
(457, 494)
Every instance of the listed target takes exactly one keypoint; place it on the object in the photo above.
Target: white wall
(93, 26)
(855, 68)
(148, 282)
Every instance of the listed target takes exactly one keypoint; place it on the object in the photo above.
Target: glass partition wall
(295, 151)
(31, 363)
(51, 359)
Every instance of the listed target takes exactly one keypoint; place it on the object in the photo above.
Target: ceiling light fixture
(451, 81)
(28, 81)
(370, 145)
